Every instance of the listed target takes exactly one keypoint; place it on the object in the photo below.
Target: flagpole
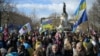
(88, 23)
(82, 6)
(88, 26)
(88, 20)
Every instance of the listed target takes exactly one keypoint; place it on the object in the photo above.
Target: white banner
(26, 28)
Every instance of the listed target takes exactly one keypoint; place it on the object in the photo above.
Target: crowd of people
(50, 43)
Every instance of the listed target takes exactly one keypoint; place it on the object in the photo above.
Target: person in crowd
(75, 39)
(2, 43)
(38, 43)
(11, 52)
(9, 42)
(99, 45)
(50, 43)
(40, 50)
(14, 40)
(24, 42)
(95, 45)
(88, 46)
(35, 53)
(99, 41)
(57, 41)
(3, 51)
(55, 51)
(80, 49)
(67, 48)
(44, 50)
(49, 48)
(0, 53)
(30, 40)
(33, 42)
(45, 41)
(22, 51)
(74, 49)
(27, 46)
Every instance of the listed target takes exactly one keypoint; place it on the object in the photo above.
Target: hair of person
(22, 47)
(11, 49)
(0, 53)
(54, 45)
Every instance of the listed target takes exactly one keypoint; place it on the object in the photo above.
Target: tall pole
(88, 25)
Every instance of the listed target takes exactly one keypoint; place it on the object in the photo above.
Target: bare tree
(55, 17)
(5, 9)
(34, 18)
(94, 17)
(1, 9)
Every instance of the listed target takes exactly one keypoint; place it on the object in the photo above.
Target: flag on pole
(46, 21)
(25, 29)
(81, 6)
(47, 24)
(80, 21)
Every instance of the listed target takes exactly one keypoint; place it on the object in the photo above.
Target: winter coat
(56, 54)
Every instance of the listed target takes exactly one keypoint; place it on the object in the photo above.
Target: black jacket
(56, 54)
(24, 53)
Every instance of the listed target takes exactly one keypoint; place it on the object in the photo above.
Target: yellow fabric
(48, 26)
(83, 5)
(77, 17)
(30, 50)
(38, 43)
(85, 44)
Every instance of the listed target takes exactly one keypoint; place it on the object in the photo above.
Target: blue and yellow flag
(82, 19)
(81, 6)
(47, 24)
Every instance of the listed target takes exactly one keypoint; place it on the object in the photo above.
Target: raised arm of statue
(64, 8)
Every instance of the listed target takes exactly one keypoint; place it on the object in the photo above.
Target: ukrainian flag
(82, 19)
(81, 6)
(47, 24)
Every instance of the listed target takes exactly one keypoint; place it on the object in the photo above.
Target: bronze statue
(64, 17)
(64, 8)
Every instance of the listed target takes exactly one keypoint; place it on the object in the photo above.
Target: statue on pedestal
(64, 17)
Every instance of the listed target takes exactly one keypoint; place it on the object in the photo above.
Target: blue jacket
(12, 54)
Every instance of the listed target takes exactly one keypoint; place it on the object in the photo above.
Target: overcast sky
(44, 8)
